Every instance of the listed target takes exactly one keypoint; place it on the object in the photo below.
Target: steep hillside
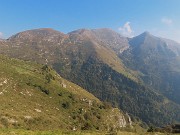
(158, 61)
(86, 58)
(34, 96)
(109, 85)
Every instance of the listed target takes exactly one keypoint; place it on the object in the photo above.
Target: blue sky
(128, 17)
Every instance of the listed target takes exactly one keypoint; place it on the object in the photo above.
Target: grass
(58, 132)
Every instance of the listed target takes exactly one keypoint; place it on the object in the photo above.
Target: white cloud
(126, 30)
(1, 34)
(166, 21)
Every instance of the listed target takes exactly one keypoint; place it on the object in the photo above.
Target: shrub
(66, 105)
(46, 91)
(87, 126)
(151, 129)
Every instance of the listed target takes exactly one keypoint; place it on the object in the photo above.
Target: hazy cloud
(1, 34)
(173, 34)
(166, 21)
(126, 30)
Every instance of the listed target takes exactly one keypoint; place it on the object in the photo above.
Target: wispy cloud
(126, 30)
(1, 34)
(166, 21)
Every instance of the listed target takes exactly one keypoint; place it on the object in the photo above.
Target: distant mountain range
(139, 75)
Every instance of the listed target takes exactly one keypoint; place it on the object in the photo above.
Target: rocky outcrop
(129, 120)
(118, 120)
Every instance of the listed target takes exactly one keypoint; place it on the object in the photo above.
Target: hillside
(35, 97)
(87, 58)
(28, 132)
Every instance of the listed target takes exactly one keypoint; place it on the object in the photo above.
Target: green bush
(151, 129)
(66, 105)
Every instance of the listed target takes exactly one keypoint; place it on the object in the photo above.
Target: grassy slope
(32, 97)
(28, 132)
(110, 58)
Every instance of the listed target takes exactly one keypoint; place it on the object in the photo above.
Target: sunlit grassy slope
(34, 96)
(28, 132)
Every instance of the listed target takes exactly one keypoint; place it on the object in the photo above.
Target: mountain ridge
(158, 61)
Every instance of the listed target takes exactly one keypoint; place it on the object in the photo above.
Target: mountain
(158, 61)
(35, 97)
(96, 61)
(107, 37)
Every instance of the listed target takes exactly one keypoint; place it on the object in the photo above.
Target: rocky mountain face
(110, 66)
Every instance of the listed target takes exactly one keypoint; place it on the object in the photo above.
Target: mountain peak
(35, 33)
(42, 30)
(145, 34)
(79, 31)
(138, 40)
(99, 30)
(106, 31)
(103, 30)
(48, 29)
